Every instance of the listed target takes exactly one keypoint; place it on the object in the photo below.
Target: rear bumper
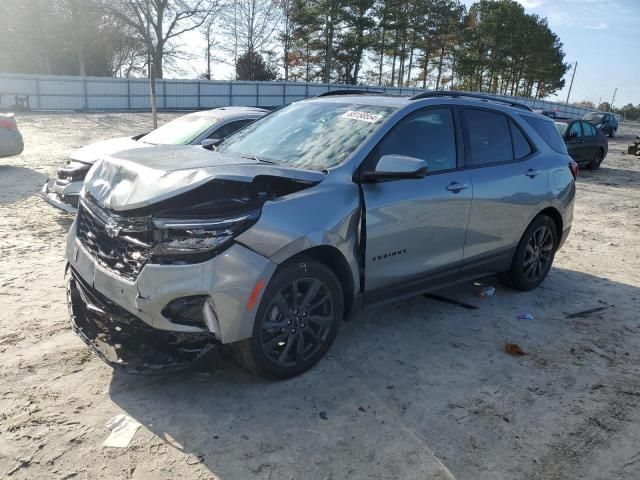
(64, 197)
(124, 341)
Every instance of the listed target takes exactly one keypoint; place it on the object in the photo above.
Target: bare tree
(250, 25)
(159, 22)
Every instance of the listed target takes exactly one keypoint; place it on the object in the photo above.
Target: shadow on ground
(17, 183)
(406, 380)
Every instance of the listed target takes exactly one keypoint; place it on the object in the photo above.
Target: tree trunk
(440, 61)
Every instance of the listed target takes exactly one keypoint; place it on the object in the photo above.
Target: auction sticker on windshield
(363, 116)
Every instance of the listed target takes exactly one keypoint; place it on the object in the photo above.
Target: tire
(596, 160)
(612, 132)
(528, 269)
(286, 339)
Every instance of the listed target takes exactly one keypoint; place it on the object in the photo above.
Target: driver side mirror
(396, 167)
(209, 143)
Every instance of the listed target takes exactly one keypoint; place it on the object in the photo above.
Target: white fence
(107, 93)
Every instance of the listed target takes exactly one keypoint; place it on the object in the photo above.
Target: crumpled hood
(135, 179)
(94, 152)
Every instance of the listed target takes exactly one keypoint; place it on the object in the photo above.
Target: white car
(199, 128)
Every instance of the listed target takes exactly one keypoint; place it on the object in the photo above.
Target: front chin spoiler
(125, 342)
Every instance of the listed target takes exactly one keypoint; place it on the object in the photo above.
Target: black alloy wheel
(296, 322)
(538, 254)
(534, 255)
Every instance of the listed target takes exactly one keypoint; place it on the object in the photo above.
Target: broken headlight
(187, 240)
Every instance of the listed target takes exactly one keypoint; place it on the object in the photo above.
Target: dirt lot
(417, 389)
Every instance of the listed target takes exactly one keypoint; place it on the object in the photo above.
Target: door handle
(533, 173)
(456, 187)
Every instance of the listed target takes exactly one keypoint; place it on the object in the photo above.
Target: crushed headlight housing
(187, 240)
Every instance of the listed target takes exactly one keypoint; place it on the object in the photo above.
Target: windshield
(181, 131)
(562, 127)
(310, 135)
(593, 117)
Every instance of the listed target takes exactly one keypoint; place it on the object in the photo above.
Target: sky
(602, 36)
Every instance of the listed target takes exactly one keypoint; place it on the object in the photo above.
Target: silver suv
(316, 211)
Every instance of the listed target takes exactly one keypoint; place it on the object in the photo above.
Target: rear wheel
(596, 160)
(534, 255)
(296, 322)
(612, 132)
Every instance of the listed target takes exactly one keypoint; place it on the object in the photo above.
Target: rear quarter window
(548, 132)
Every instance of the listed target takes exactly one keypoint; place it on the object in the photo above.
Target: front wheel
(296, 322)
(533, 258)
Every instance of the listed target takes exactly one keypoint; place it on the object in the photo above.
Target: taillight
(9, 124)
(573, 166)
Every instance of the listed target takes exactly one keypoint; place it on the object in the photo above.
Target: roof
(226, 112)
(398, 101)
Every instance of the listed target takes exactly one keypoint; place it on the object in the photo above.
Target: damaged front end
(166, 325)
(124, 341)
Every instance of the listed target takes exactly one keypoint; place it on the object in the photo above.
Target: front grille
(123, 253)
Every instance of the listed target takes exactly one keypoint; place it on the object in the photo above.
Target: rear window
(548, 131)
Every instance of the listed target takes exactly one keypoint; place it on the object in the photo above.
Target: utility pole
(613, 99)
(575, 67)
(152, 71)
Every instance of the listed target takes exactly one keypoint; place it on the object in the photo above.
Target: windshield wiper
(253, 157)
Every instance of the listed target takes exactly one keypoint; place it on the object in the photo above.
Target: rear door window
(588, 130)
(574, 130)
(426, 134)
(488, 136)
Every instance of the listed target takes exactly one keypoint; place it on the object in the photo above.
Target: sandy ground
(417, 389)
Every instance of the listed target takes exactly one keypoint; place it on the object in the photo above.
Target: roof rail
(457, 94)
(353, 91)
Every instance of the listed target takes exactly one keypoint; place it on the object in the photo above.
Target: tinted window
(588, 130)
(489, 137)
(521, 147)
(547, 131)
(574, 130)
(426, 134)
(226, 130)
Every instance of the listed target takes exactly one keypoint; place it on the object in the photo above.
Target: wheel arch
(554, 215)
(333, 258)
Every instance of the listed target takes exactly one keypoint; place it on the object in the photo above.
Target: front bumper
(228, 280)
(125, 342)
(61, 195)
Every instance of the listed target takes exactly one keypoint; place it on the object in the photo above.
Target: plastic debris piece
(525, 316)
(487, 292)
(586, 313)
(514, 349)
(123, 428)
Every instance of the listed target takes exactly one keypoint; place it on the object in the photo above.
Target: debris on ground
(585, 313)
(525, 316)
(514, 349)
(487, 292)
(450, 301)
(323, 415)
(123, 428)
